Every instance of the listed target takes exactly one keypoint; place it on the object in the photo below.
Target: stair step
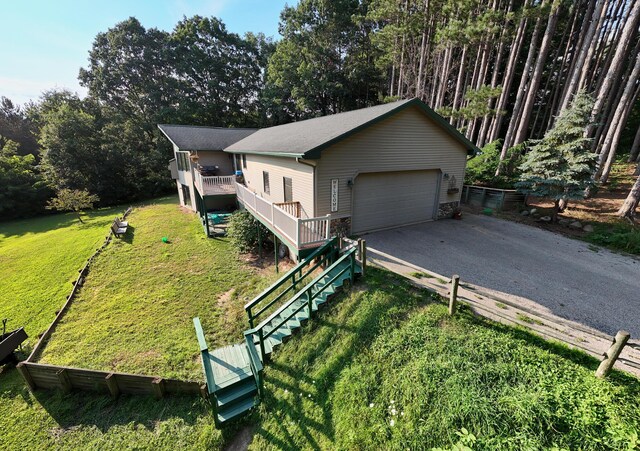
(235, 378)
(234, 410)
(236, 392)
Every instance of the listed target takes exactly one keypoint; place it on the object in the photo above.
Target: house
(350, 173)
(204, 174)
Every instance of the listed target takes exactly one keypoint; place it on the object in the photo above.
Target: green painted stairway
(233, 374)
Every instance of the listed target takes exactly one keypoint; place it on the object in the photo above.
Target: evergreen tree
(560, 165)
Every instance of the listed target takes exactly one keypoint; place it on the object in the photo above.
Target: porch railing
(216, 184)
(299, 232)
(293, 208)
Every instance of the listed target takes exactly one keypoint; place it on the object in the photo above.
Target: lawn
(386, 368)
(40, 259)
(382, 367)
(134, 313)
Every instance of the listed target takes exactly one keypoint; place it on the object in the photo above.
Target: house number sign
(334, 195)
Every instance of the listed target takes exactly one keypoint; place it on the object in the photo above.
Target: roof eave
(269, 154)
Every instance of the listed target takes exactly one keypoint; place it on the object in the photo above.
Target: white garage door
(390, 199)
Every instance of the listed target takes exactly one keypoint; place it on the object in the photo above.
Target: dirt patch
(266, 263)
(242, 440)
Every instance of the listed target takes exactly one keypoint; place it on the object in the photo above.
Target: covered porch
(285, 220)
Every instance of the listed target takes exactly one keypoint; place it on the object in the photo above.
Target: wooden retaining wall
(67, 379)
(497, 199)
(44, 376)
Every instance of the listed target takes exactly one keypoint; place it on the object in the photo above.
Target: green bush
(620, 236)
(481, 169)
(243, 231)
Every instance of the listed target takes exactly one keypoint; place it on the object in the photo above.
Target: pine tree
(560, 165)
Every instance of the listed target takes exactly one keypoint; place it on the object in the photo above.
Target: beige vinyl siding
(406, 141)
(217, 158)
(278, 168)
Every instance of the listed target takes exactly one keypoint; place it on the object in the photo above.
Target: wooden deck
(301, 233)
(218, 185)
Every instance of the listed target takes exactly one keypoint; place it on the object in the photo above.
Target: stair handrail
(285, 278)
(204, 355)
(260, 327)
(255, 362)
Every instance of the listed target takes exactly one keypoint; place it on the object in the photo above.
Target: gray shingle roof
(190, 137)
(307, 138)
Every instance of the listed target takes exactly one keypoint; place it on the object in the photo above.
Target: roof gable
(307, 139)
(192, 137)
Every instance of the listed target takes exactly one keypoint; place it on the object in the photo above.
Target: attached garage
(392, 199)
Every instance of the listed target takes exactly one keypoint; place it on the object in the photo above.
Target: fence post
(158, 387)
(613, 353)
(24, 372)
(112, 385)
(453, 294)
(262, 350)
(363, 255)
(63, 378)
(310, 301)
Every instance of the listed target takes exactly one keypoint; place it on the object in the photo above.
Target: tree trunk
(619, 119)
(508, 79)
(628, 208)
(515, 115)
(79, 217)
(617, 63)
(532, 90)
(634, 153)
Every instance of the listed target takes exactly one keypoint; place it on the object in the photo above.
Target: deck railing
(293, 208)
(216, 184)
(300, 232)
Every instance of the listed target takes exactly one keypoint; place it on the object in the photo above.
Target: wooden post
(24, 372)
(613, 353)
(158, 387)
(275, 245)
(363, 255)
(112, 385)
(453, 294)
(63, 378)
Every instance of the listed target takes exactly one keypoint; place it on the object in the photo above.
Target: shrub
(243, 231)
(481, 169)
(620, 236)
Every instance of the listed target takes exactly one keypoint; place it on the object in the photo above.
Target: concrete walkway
(543, 270)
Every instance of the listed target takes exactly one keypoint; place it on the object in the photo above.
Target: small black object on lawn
(9, 342)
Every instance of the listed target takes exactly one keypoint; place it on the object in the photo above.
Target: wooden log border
(69, 379)
(35, 353)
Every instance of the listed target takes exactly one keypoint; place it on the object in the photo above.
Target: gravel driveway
(595, 287)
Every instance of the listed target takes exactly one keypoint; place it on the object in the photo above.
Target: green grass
(390, 346)
(51, 420)
(620, 236)
(40, 259)
(134, 313)
(385, 345)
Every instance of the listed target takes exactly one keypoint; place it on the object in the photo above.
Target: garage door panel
(390, 199)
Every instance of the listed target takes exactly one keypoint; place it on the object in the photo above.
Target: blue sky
(43, 43)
